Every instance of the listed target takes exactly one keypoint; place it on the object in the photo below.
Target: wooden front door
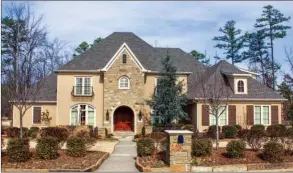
(123, 119)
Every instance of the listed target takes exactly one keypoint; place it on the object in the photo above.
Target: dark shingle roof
(99, 55)
(216, 75)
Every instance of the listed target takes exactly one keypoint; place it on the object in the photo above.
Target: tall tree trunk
(272, 55)
(217, 132)
(20, 124)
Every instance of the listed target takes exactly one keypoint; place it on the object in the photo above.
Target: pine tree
(168, 100)
(200, 57)
(81, 48)
(287, 92)
(258, 56)
(270, 24)
(232, 42)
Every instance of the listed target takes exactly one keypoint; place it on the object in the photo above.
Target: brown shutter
(232, 114)
(274, 115)
(249, 112)
(205, 115)
(37, 114)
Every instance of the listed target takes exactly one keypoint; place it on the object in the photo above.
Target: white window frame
(125, 77)
(86, 114)
(33, 114)
(227, 117)
(261, 114)
(244, 85)
(83, 85)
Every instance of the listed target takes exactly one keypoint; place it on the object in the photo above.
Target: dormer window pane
(240, 85)
(124, 59)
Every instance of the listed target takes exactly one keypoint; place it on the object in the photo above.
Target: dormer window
(240, 86)
(124, 59)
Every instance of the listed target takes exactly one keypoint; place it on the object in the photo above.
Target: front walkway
(123, 157)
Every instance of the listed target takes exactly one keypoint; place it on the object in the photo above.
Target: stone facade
(115, 97)
(178, 155)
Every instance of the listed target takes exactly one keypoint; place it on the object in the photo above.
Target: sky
(186, 25)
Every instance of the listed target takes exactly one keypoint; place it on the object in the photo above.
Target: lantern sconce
(139, 116)
(107, 115)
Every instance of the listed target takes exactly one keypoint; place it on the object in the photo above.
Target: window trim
(119, 81)
(86, 115)
(82, 91)
(244, 85)
(33, 114)
(227, 116)
(261, 114)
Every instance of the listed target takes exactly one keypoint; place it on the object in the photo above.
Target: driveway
(123, 157)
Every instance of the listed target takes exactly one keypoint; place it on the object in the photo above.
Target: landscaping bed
(219, 157)
(63, 162)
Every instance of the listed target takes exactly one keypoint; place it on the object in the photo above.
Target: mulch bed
(219, 157)
(151, 162)
(62, 162)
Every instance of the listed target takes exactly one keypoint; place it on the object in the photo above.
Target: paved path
(122, 159)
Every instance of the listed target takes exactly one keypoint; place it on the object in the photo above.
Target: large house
(107, 86)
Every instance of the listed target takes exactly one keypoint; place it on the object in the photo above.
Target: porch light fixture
(139, 115)
(107, 115)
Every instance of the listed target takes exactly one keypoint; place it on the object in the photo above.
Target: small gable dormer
(240, 85)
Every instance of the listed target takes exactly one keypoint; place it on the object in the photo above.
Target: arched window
(124, 83)
(240, 86)
(82, 114)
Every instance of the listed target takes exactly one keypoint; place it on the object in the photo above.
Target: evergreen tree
(270, 24)
(286, 91)
(258, 56)
(168, 100)
(81, 48)
(200, 57)
(232, 42)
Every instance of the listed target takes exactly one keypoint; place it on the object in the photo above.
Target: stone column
(178, 155)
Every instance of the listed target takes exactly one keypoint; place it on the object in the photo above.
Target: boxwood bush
(273, 152)
(276, 131)
(235, 149)
(33, 132)
(256, 137)
(18, 150)
(202, 147)
(60, 133)
(288, 142)
(47, 148)
(14, 132)
(76, 147)
(229, 131)
(212, 131)
(145, 147)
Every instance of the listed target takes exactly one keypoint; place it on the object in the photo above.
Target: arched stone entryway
(123, 119)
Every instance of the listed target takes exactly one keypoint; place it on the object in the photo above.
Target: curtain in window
(257, 115)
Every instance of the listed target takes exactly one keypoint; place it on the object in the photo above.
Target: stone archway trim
(112, 118)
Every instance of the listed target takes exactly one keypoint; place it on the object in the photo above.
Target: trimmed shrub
(143, 131)
(60, 133)
(212, 131)
(188, 127)
(238, 127)
(256, 137)
(33, 132)
(288, 142)
(18, 150)
(94, 133)
(273, 152)
(47, 148)
(14, 132)
(85, 135)
(164, 144)
(229, 131)
(276, 131)
(76, 147)
(235, 149)
(157, 136)
(202, 147)
(243, 133)
(145, 147)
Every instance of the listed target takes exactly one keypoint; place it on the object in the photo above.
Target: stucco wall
(65, 83)
(240, 112)
(28, 117)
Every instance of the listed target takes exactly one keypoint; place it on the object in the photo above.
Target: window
(240, 86)
(37, 111)
(156, 85)
(83, 114)
(262, 114)
(124, 83)
(124, 59)
(83, 86)
(223, 120)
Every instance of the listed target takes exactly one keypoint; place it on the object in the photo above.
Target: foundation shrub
(60, 133)
(229, 131)
(14, 132)
(288, 141)
(85, 136)
(33, 132)
(243, 133)
(235, 149)
(238, 127)
(145, 147)
(143, 131)
(47, 148)
(276, 131)
(273, 152)
(256, 137)
(188, 127)
(212, 131)
(18, 150)
(202, 147)
(76, 147)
